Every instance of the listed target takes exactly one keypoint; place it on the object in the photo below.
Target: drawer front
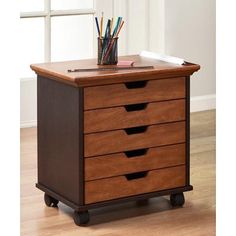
(133, 138)
(133, 92)
(133, 184)
(134, 161)
(133, 115)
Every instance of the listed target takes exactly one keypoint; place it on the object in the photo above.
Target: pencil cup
(107, 51)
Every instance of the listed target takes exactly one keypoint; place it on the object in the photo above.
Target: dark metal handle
(136, 153)
(135, 107)
(137, 175)
(136, 130)
(136, 84)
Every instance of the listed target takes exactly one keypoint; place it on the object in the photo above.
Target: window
(55, 30)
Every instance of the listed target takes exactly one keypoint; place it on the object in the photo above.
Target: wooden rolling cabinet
(107, 137)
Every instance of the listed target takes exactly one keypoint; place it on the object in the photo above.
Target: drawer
(133, 184)
(133, 115)
(133, 92)
(133, 138)
(134, 161)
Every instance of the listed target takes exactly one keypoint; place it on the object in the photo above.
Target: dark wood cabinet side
(60, 140)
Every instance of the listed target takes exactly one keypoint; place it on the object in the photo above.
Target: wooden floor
(197, 217)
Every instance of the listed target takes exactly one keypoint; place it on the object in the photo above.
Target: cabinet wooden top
(59, 71)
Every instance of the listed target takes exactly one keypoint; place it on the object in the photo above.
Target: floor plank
(156, 217)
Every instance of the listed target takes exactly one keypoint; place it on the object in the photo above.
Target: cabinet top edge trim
(59, 71)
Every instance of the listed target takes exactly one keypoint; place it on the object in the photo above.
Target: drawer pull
(137, 175)
(135, 107)
(136, 130)
(136, 153)
(136, 84)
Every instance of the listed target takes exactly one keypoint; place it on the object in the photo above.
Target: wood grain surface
(59, 71)
(119, 94)
(117, 187)
(156, 217)
(118, 117)
(119, 164)
(119, 141)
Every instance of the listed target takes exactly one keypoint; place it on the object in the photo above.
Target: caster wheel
(50, 201)
(177, 199)
(81, 218)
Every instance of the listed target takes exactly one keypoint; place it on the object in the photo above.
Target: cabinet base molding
(114, 201)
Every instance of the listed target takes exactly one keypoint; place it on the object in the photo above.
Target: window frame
(47, 14)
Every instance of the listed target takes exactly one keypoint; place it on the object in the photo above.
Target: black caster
(177, 200)
(50, 201)
(81, 218)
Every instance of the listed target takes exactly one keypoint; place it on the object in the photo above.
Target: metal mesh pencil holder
(107, 51)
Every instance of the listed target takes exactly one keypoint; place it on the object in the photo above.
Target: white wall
(190, 34)
(28, 102)
(143, 27)
(183, 28)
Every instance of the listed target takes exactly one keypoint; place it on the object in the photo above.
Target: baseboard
(28, 124)
(199, 103)
(203, 103)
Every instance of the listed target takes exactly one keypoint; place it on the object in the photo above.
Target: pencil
(96, 19)
(116, 27)
(113, 40)
(119, 29)
(107, 31)
(101, 25)
(111, 25)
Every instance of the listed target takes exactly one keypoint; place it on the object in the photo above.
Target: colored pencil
(119, 29)
(112, 41)
(111, 25)
(96, 19)
(107, 32)
(101, 26)
(116, 27)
